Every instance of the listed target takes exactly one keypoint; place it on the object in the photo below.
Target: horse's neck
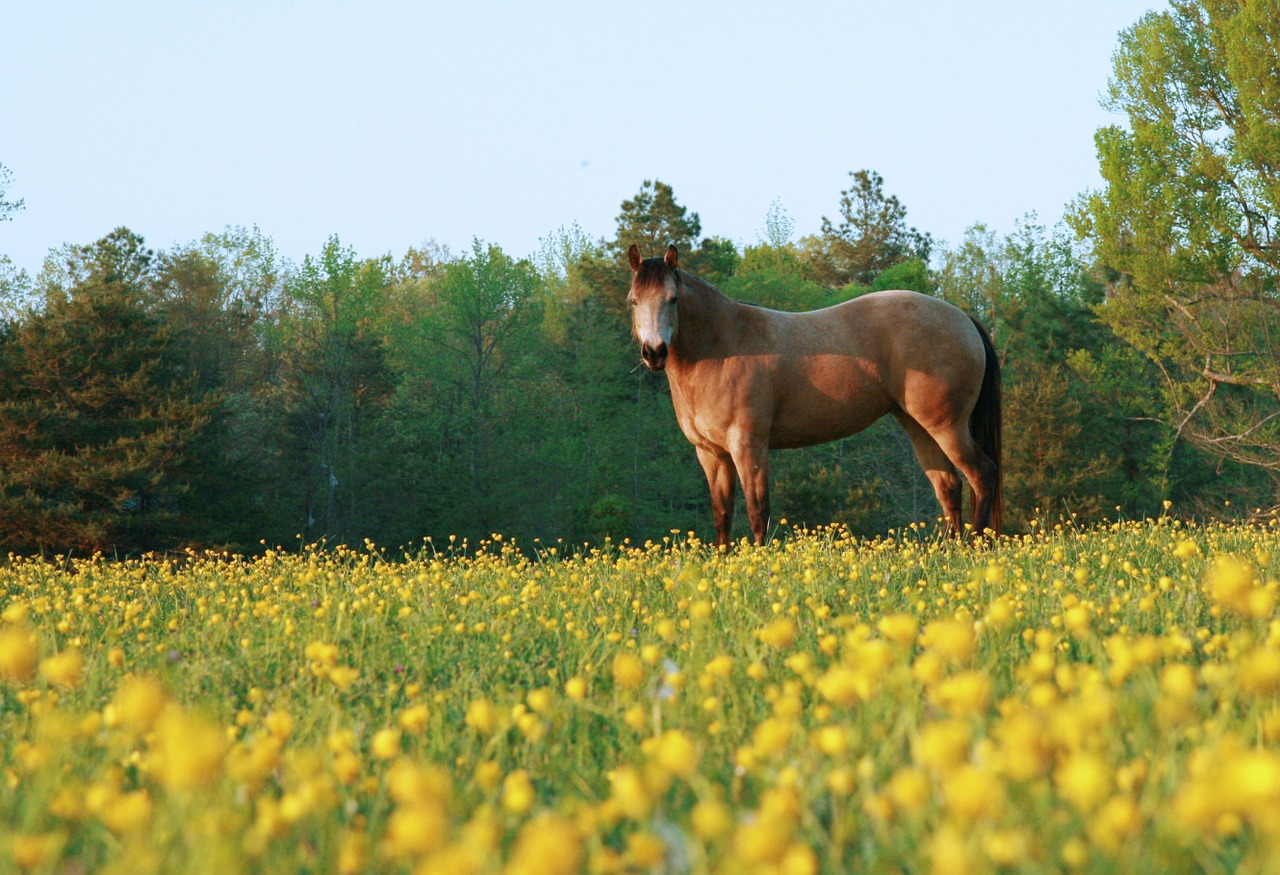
(707, 319)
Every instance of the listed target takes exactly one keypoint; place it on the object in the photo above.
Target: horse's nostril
(654, 355)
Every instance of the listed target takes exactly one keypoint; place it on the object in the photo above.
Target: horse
(746, 380)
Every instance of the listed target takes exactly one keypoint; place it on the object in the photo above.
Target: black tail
(984, 422)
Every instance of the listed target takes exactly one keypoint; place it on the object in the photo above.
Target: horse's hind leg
(722, 479)
(981, 472)
(938, 468)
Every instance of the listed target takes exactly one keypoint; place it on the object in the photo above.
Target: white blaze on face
(653, 318)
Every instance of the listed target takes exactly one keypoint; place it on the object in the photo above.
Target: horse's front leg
(751, 457)
(722, 479)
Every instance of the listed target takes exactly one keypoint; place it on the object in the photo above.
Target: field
(1096, 701)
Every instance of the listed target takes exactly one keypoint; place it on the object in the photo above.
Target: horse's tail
(984, 422)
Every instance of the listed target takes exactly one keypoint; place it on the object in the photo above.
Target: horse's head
(655, 288)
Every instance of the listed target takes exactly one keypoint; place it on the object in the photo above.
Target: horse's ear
(672, 257)
(633, 256)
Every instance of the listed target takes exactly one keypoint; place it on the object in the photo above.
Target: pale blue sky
(388, 123)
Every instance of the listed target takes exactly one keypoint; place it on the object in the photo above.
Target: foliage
(654, 220)
(102, 427)
(871, 237)
(468, 393)
(1186, 221)
(7, 207)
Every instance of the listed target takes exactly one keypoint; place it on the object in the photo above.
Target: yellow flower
(481, 716)
(628, 670)
(644, 850)
(1260, 672)
(966, 693)
(629, 792)
(949, 851)
(16, 614)
(32, 850)
(279, 724)
(943, 744)
(999, 613)
(137, 704)
(127, 812)
(575, 688)
(343, 676)
(416, 830)
(1083, 779)
(385, 744)
(18, 654)
(1232, 581)
(517, 792)
(676, 753)
(540, 700)
(720, 667)
(1076, 619)
(1115, 821)
(64, 669)
(488, 775)
(1024, 752)
(1178, 681)
(189, 748)
(414, 718)
(973, 792)
(952, 640)
(781, 633)
(711, 819)
(411, 784)
(547, 845)
(1006, 847)
(899, 628)
(843, 686)
(1186, 549)
(833, 741)
(909, 789)
(321, 653)
(772, 736)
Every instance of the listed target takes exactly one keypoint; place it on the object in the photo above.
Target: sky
(393, 123)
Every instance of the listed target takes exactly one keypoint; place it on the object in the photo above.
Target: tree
(778, 226)
(469, 398)
(7, 208)
(654, 220)
(871, 237)
(101, 430)
(337, 378)
(1186, 223)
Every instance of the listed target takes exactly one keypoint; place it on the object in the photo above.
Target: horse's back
(854, 362)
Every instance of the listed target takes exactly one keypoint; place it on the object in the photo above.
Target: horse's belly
(803, 425)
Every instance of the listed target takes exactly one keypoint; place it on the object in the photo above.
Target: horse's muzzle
(654, 356)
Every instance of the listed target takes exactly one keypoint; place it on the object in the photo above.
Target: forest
(215, 395)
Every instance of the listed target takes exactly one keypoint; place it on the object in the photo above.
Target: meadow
(1068, 701)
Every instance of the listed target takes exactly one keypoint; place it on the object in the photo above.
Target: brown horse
(745, 380)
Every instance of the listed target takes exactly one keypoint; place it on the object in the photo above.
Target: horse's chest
(705, 414)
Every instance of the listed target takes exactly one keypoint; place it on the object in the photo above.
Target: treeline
(214, 395)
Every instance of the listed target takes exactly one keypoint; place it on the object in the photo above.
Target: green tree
(472, 403)
(776, 277)
(654, 220)
(102, 431)
(7, 207)
(337, 382)
(1186, 225)
(1076, 442)
(871, 237)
